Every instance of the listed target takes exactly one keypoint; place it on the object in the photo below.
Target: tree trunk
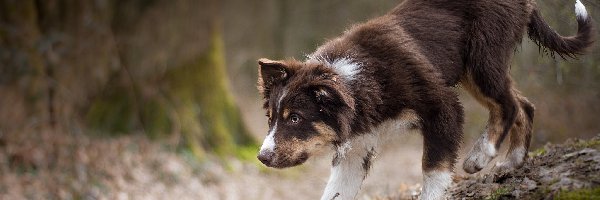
(201, 88)
(88, 64)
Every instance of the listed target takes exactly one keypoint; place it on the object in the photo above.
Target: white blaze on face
(269, 143)
(281, 99)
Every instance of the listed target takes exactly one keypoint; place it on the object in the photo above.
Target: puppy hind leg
(498, 99)
(520, 135)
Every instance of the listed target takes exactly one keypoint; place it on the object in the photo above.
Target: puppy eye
(294, 118)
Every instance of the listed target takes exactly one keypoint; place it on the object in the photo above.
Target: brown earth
(557, 171)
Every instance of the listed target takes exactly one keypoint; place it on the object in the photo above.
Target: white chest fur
(353, 158)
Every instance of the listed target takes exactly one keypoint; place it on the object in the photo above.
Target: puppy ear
(270, 72)
(333, 96)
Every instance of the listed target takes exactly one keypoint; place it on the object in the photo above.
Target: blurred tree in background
(117, 67)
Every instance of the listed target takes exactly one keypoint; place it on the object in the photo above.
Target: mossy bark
(197, 93)
(201, 94)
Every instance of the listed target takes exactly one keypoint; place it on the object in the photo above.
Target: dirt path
(63, 166)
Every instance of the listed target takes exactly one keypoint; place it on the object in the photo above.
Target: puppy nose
(265, 157)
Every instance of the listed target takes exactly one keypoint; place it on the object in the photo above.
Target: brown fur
(408, 60)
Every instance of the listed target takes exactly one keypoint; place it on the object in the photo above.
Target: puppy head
(308, 106)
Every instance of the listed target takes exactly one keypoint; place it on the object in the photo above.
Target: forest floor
(52, 165)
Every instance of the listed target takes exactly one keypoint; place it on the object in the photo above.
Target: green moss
(538, 152)
(155, 119)
(248, 152)
(500, 192)
(112, 112)
(116, 111)
(593, 143)
(593, 193)
(540, 193)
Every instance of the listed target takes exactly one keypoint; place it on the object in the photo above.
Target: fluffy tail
(570, 46)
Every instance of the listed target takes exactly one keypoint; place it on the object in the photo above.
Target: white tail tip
(580, 10)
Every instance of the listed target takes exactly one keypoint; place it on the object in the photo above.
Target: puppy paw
(481, 154)
(504, 167)
(514, 160)
(476, 161)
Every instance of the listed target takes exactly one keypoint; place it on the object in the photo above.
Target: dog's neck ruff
(345, 66)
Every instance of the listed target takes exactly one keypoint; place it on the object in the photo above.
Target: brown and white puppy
(394, 74)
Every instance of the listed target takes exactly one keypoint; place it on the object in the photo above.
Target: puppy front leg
(348, 171)
(442, 135)
(440, 150)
